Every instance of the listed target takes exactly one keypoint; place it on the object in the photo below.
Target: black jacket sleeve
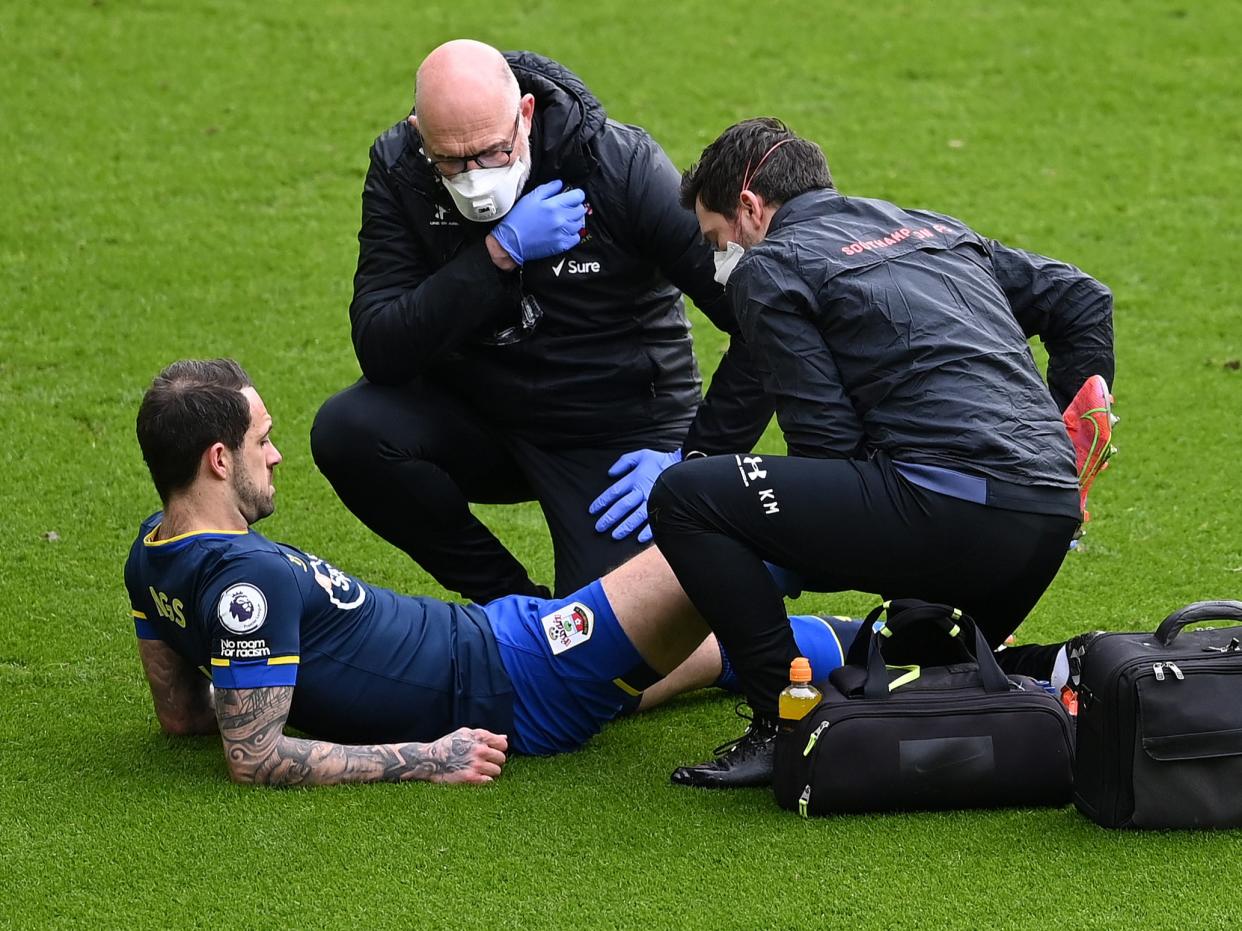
(776, 309)
(406, 312)
(736, 410)
(1071, 312)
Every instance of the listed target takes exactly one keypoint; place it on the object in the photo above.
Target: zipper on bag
(1161, 670)
(810, 744)
(967, 706)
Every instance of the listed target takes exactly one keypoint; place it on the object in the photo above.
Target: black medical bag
(1160, 724)
(962, 735)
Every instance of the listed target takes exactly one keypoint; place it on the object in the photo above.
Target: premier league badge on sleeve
(568, 627)
(242, 609)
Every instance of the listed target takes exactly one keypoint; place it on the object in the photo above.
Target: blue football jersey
(367, 665)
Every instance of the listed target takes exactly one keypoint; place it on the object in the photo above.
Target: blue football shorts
(566, 658)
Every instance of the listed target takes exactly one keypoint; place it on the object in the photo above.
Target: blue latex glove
(626, 499)
(544, 222)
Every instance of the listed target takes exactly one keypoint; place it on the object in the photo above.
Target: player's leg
(408, 461)
(653, 611)
(700, 670)
(575, 664)
(823, 640)
(657, 616)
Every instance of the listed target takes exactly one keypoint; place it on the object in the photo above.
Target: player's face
(256, 461)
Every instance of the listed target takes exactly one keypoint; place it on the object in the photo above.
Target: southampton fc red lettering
(893, 238)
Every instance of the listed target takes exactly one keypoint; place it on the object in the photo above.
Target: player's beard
(253, 503)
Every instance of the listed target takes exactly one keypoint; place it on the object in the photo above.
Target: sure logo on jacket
(571, 267)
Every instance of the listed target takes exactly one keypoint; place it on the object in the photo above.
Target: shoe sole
(1096, 422)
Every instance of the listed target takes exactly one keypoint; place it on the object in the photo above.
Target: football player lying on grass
(245, 636)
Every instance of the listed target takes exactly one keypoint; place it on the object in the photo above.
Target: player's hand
(626, 499)
(543, 223)
(470, 755)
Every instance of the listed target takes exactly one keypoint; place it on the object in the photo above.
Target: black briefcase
(1160, 724)
(888, 738)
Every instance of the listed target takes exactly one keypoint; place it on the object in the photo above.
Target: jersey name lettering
(171, 610)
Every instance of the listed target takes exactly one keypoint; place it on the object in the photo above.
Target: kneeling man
(927, 457)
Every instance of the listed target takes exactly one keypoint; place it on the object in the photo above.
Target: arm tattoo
(252, 725)
(182, 696)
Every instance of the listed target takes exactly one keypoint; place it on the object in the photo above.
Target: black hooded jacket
(904, 332)
(610, 361)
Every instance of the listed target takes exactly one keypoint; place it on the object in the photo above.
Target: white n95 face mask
(487, 194)
(726, 260)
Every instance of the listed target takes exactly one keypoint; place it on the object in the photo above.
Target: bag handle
(1196, 613)
(902, 612)
(906, 612)
(952, 621)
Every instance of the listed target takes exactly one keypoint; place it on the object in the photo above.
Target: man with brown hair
(927, 457)
(388, 687)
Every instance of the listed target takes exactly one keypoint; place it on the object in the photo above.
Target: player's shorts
(567, 659)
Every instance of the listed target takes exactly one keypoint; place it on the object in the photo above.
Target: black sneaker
(1075, 649)
(739, 764)
(1066, 669)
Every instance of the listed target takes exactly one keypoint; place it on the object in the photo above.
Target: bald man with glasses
(518, 319)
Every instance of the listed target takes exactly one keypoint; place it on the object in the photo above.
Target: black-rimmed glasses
(495, 157)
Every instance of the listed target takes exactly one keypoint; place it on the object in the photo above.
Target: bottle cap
(800, 670)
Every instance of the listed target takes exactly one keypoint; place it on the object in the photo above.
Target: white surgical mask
(487, 194)
(726, 260)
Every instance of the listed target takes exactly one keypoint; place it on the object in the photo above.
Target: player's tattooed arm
(182, 694)
(258, 751)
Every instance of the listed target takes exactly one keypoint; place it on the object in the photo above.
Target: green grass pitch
(182, 178)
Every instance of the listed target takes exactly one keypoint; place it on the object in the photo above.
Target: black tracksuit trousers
(409, 461)
(843, 525)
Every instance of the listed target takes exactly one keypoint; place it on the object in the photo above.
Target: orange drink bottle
(800, 697)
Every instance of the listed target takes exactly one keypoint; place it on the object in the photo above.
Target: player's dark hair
(761, 154)
(189, 406)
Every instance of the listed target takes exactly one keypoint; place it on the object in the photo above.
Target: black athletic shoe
(1075, 649)
(1066, 669)
(739, 764)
